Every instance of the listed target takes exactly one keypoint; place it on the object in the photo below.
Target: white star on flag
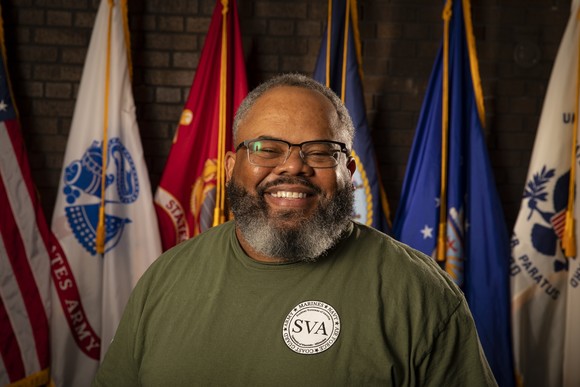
(427, 232)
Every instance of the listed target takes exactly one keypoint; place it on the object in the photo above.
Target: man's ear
(230, 162)
(351, 166)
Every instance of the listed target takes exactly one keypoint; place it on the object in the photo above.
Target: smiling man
(293, 291)
(290, 179)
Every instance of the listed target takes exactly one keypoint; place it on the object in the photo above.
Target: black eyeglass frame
(342, 145)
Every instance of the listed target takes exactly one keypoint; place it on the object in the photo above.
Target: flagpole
(328, 42)
(124, 13)
(473, 64)
(345, 52)
(219, 217)
(442, 234)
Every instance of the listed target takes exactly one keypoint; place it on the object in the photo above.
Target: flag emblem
(202, 201)
(363, 203)
(548, 225)
(455, 251)
(82, 181)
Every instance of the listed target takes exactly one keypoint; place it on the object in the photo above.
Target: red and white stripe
(24, 266)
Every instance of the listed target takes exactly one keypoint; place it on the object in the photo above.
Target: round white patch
(311, 327)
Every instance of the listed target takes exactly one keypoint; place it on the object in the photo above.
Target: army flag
(104, 216)
(339, 66)
(544, 267)
(449, 205)
(191, 195)
(24, 255)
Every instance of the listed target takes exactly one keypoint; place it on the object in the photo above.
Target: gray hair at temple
(345, 129)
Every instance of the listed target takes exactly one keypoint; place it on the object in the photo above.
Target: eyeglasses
(271, 153)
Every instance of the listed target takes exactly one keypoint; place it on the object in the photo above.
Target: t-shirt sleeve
(456, 357)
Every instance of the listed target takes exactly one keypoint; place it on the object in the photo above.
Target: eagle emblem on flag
(546, 233)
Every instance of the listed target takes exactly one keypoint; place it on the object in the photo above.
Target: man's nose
(295, 164)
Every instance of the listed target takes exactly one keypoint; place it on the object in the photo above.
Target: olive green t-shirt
(371, 312)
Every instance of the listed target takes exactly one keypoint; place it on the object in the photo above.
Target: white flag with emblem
(104, 216)
(545, 284)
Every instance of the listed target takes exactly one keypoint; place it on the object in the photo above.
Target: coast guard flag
(371, 207)
(24, 257)
(475, 243)
(104, 215)
(545, 278)
(190, 196)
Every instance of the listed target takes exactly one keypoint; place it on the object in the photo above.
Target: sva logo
(311, 327)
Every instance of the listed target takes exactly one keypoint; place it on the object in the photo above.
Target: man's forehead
(286, 92)
(288, 105)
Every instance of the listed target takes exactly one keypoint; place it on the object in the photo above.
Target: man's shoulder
(206, 237)
(194, 249)
(403, 263)
(389, 247)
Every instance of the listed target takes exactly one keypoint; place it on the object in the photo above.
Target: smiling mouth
(289, 195)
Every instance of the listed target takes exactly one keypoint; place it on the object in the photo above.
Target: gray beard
(312, 236)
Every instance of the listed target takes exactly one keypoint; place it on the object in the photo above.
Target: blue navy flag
(371, 207)
(476, 242)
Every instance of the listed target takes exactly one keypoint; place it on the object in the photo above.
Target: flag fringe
(37, 379)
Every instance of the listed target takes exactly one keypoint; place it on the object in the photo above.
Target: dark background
(516, 40)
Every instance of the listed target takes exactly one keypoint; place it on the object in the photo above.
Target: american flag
(24, 257)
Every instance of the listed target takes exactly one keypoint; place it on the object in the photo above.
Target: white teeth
(291, 195)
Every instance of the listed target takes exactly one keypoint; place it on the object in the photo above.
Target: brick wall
(517, 41)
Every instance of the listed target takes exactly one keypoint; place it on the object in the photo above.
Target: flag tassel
(441, 245)
(100, 237)
(569, 237)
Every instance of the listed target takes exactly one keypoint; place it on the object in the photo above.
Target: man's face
(293, 193)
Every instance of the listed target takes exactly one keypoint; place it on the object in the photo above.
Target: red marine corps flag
(191, 195)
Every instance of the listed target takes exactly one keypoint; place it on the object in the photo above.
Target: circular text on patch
(311, 327)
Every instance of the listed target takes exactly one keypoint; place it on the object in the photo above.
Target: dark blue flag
(371, 205)
(476, 240)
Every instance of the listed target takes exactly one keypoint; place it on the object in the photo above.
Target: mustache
(288, 180)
